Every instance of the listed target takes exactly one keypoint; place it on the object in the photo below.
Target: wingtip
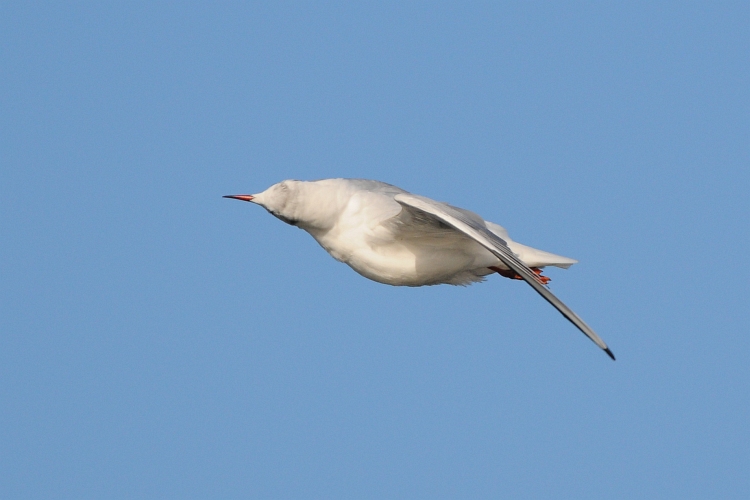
(609, 353)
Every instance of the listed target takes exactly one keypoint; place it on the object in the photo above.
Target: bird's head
(281, 200)
(310, 205)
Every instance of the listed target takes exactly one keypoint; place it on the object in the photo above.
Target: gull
(394, 237)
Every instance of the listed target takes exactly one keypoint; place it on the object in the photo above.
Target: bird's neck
(316, 206)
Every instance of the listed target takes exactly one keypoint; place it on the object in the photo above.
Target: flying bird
(394, 237)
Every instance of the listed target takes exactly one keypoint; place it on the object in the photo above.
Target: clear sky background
(158, 341)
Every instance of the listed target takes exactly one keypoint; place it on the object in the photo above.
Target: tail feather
(539, 258)
(530, 256)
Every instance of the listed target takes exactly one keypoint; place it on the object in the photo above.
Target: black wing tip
(609, 353)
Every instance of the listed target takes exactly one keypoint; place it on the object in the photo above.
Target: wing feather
(459, 220)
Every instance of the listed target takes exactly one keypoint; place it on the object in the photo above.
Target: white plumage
(391, 236)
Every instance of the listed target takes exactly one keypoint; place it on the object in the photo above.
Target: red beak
(243, 197)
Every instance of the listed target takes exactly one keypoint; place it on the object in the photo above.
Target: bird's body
(360, 223)
(391, 236)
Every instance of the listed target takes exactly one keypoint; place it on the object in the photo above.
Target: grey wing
(459, 220)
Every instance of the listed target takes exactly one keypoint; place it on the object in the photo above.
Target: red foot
(538, 272)
(514, 276)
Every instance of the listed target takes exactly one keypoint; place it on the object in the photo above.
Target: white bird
(394, 237)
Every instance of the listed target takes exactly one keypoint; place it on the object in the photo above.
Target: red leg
(508, 273)
(512, 274)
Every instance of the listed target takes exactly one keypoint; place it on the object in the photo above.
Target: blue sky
(158, 341)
